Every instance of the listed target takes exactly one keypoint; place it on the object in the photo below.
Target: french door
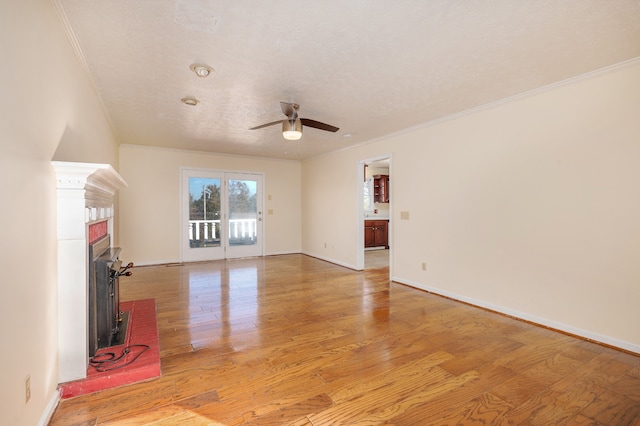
(221, 215)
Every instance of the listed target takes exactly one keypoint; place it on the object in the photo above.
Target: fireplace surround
(85, 197)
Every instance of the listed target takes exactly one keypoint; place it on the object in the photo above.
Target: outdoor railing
(207, 230)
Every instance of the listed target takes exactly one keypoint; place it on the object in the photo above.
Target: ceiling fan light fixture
(292, 129)
(200, 70)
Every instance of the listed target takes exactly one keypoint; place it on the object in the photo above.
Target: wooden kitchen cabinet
(376, 233)
(380, 188)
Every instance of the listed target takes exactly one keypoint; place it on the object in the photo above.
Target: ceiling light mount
(200, 70)
(189, 101)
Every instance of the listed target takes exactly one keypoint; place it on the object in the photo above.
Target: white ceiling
(370, 67)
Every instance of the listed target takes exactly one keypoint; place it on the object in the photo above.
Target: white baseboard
(330, 260)
(586, 334)
(281, 253)
(174, 261)
(157, 262)
(45, 418)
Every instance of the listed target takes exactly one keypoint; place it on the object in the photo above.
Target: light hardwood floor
(298, 341)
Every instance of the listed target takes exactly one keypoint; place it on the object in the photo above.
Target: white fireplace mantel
(85, 193)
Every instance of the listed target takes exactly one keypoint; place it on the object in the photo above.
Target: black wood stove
(105, 317)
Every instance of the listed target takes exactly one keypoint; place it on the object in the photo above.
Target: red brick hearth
(142, 330)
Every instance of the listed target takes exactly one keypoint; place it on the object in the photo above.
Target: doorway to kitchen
(221, 215)
(374, 199)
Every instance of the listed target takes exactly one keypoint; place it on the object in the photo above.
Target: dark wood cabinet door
(381, 188)
(381, 235)
(376, 233)
(369, 236)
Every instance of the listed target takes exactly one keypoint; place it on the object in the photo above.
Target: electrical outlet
(404, 215)
(424, 266)
(27, 389)
(325, 245)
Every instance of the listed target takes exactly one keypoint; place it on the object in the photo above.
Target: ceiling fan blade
(290, 110)
(318, 125)
(266, 125)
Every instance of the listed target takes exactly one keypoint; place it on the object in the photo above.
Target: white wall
(330, 208)
(47, 105)
(149, 207)
(529, 207)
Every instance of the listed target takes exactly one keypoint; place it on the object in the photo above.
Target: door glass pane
(243, 212)
(204, 212)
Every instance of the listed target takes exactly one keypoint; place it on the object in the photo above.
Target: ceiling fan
(292, 125)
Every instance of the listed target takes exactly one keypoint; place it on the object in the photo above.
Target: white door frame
(224, 251)
(360, 216)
